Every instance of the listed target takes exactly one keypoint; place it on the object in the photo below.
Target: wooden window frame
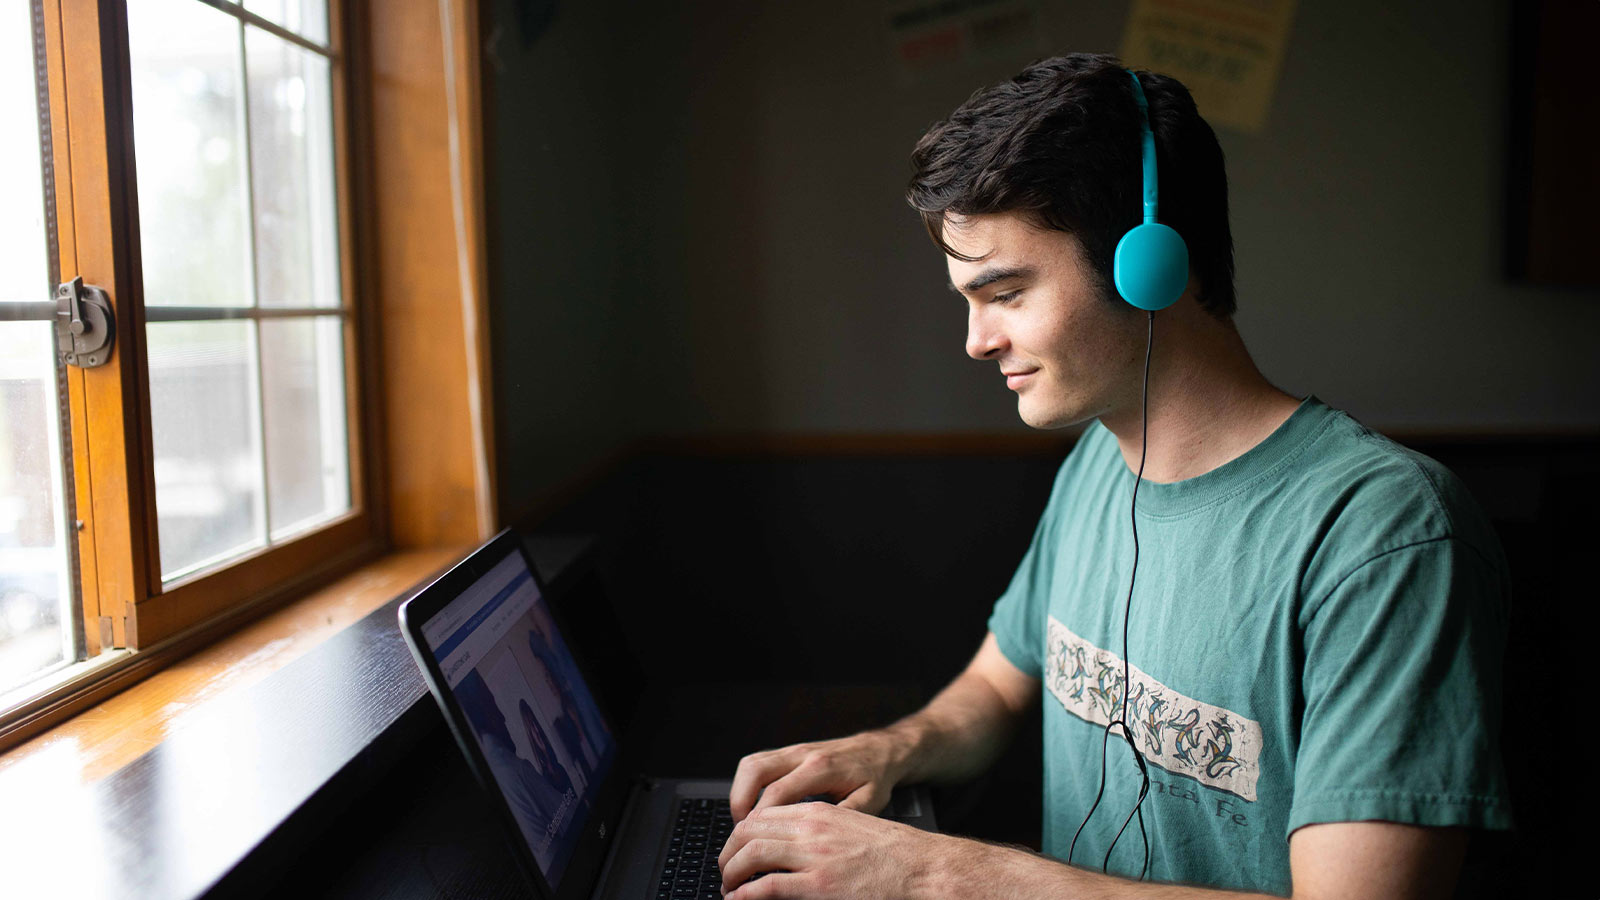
(125, 602)
(415, 345)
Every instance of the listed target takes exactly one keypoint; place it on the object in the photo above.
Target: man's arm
(1332, 861)
(957, 735)
(816, 850)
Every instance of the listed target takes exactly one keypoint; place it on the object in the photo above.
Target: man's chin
(1044, 418)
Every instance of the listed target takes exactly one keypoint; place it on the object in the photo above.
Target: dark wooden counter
(231, 801)
(426, 831)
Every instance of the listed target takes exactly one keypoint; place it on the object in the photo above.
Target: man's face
(1033, 308)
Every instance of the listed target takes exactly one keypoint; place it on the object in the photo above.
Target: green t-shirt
(1316, 636)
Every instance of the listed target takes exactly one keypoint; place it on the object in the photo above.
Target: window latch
(86, 329)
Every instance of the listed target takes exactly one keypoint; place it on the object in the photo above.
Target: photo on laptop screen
(528, 708)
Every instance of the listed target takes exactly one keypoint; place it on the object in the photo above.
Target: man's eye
(1007, 297)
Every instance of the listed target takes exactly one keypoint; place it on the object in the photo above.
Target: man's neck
(1209, 404)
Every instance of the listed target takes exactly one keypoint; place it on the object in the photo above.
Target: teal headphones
(1151, 265)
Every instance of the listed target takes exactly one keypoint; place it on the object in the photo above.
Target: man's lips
(1018, 378)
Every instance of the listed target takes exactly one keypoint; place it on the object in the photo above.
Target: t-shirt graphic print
(1214, 746)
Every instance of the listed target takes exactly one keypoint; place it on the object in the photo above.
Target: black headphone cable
(1127, 609)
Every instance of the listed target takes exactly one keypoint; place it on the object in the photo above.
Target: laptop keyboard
(698, 833)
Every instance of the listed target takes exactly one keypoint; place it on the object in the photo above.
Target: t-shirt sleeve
(1401, 686)
(1018, 618)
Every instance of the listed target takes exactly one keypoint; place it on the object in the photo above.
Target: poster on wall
(1227, 52)
(931, 35)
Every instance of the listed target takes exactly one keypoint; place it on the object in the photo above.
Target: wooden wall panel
(436, 470)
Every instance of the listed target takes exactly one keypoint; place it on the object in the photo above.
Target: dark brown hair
(1060, 142)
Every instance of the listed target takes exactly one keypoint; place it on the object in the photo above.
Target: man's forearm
(957, 735)
(978, 869)
(1330, 860)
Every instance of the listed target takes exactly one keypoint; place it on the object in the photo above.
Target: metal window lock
(86, 329)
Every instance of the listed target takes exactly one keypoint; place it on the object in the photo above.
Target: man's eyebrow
(990, 276)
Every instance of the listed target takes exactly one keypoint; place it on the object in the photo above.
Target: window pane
(37, 604)
(205, 424)
(239, 208)
(291, 161)
(302, 374)
(188, 131)
(22, 236)
(307, 18)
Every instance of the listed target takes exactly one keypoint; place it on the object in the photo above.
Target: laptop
(517, 695)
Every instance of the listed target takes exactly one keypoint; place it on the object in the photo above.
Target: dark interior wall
(850, 569)
(557, 297)
(698, 228)
(807, 297)
(1370, 220)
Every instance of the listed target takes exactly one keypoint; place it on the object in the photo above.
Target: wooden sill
(114, 732)
(219, 773)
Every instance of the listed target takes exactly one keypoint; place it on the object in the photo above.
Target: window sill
(64, 681)
(196, 775)
(115, 731)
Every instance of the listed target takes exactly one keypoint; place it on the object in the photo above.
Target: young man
(1315, 622)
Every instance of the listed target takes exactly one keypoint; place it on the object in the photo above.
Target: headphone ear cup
(1151, 266)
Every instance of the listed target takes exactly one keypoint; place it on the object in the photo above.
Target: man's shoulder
(1366, 473)
(1372, 496)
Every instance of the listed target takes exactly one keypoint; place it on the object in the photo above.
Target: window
(188, 158)
(244, 321)
(37, 634)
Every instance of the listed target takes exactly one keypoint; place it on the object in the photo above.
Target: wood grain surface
(232, 776)
(112, 734)
(435, 484)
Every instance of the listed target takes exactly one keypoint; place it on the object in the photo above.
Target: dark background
(696, 226)
(723, 344)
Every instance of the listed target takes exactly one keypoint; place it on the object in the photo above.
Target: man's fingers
(771, 824)
(869, 798)
(777, 886)
(755, 772)
(817, 773)
(793, 788)
(758, 856)
(742, 834)
(780, 817)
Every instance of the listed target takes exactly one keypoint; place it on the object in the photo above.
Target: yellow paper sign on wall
(1227, 52)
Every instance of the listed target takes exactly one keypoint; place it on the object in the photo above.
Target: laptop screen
(515, 679)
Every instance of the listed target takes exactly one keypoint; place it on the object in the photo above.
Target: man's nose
(984, 341)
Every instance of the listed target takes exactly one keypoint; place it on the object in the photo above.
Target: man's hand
(857, 771)
(818, 850)
(956, 736)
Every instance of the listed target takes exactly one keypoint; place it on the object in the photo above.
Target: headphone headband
(1147, 147)
(1151, 263)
